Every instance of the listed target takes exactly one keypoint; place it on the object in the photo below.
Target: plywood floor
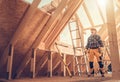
(63, 79)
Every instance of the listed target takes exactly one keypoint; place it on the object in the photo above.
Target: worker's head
(93, 31)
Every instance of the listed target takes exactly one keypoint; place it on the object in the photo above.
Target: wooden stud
(50, 64)
(112, 39)
(10, 61)
(33, 61)
(63, 69)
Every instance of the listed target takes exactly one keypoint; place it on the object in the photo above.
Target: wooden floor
(97, 78)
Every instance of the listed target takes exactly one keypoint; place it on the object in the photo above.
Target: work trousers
(95, 53)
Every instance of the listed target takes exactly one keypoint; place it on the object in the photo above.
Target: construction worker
(93, 47)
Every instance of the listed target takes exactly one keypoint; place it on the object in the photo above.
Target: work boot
(102, 73)
(91, 74)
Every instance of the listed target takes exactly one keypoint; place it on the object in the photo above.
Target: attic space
(49, 40)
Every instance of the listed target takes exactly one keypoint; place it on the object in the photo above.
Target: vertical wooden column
(113, 39)
(63, 69)
(73, 66)
(33, 60)
(50, 64)
(9, 62)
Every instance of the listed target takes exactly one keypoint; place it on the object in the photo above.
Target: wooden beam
(57, 63)
(100, 11)
(51, 23)
(112, 39)
(41, 62)
(63, 69)
(21, 29)
(33, 61)
(50, 64)
(88, 14)
(63, 21)
(10, 62)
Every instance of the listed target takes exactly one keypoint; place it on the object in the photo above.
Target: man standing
(93, 46)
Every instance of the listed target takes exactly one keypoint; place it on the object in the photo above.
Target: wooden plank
(88, 14)
(112, 39)
(21, 29)
(50, 64)
(33, 61)
(60, 25)
(10, 62)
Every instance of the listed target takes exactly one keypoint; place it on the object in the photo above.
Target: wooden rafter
(63, 21)
(88, 14)
(51, 23)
